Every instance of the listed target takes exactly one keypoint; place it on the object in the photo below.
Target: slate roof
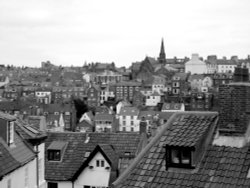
(171, 106)
(12, 158)
(129, 111)
(7, 162)
(7, 116)
(79, 144)
(220, 166)
(104, 117)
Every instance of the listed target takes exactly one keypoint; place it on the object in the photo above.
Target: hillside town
(159, 122)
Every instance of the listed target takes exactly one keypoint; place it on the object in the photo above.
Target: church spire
(162, 55)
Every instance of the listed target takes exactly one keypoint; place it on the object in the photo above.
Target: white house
(153, 99)
(19, 164)
(128, 119)
(84, 160)
(226, 66)
(87, 116)
(120, 105)
(43, 96)
(195, 65)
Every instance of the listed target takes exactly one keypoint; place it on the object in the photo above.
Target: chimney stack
(234, 102)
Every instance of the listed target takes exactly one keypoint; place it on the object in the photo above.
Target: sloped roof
(171, 106)
(104, 117)
(129, 111)
(7, 162)
(78, 145)
(196, 77)
(220, 167)
(182, 76)
(7, 116)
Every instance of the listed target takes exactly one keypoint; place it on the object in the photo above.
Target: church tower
(162, 55)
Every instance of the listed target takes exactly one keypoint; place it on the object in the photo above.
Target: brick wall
(234, 102)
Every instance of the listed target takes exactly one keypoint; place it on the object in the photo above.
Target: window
(97, 163)
(54, 155)
(179, 157)
(132, 122)
(123, 128)
(52, 185)
(132, 129)
(102, 163)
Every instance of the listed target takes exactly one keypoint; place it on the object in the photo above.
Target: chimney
(234, 102)
(212, 58)
(143, 126)
(195, 57)
(241, 74)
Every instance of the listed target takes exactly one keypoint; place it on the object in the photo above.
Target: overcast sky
(70, 32)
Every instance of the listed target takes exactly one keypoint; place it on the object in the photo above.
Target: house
(128, 119)
(43, 95)
(198, 149)
(80, 159)
(104, 122)
(173, 107)
(87, 116)
(120, 105)
(21, 154)
(4, 80)
(125, 90)
(211, 62)
(158, 83)
(85, 127)
(154, 99)
(195, 65)
(145, 70)
(180, 84)
(60, 117)
(93, 96)
(226, 66)
(201, 101)
(107, 76)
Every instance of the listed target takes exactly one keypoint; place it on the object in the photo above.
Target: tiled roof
(196, 77)
(7, 116)
(182, 76)
(7, 162)
(187, 130)
(129, 111)
(220, 166)
(171, 106)
(104, 117)
(79, 144)
(27, 131)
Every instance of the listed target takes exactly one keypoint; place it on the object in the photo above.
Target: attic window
(54, 155)
(55, 150)
(179, 157)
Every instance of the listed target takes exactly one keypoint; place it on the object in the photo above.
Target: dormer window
(54, 155)
(179, 157)
(55, 150)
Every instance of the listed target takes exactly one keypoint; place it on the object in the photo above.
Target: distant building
(195, 65)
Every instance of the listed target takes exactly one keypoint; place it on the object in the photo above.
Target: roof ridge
(172, 119)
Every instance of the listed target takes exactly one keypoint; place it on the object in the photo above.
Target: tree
(81, 108)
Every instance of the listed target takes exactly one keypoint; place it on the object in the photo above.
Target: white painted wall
(195, 65)
(97, 176)
(128, 125)
(226, 68)
(17, 177)
(41, 149)
(153, 100)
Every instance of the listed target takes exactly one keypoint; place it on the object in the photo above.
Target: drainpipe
(72, 184)
(37, 166)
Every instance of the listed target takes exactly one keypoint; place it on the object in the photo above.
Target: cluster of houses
(161, 122)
